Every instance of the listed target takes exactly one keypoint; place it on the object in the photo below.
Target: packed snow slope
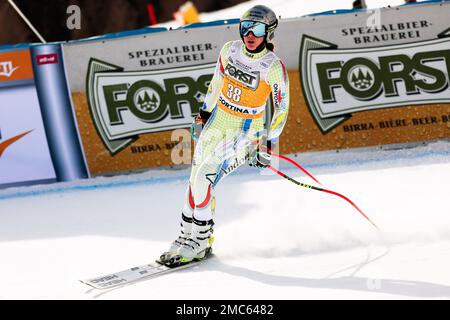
(274, 240)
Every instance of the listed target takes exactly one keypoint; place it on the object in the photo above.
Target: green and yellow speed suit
(237, 95)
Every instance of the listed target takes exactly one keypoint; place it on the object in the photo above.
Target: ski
(135, 274)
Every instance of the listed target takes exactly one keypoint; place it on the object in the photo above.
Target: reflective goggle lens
(257, 28)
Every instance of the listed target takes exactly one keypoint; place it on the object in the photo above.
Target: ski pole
(301, 184)
(294, 163)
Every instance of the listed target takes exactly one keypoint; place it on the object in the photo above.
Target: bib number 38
(234, 93)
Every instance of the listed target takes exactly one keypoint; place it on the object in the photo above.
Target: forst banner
(357, 79)
(369, 79)
(130, 94)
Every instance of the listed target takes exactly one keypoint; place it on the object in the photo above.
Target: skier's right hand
(198, 123)
(260, 158)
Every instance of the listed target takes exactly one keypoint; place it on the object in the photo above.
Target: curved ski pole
(295, 164)
(301, 184)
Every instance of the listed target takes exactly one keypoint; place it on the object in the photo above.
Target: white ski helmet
(264, 15)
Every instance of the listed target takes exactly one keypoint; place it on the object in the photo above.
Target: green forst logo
(147, 100)
(361, 78)
(338, 82)
(125, 104)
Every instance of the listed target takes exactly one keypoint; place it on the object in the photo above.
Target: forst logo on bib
(249, 79)
(339, 82)
(125, 104)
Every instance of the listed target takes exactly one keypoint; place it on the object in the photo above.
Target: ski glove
(198, 123)
(261, 158)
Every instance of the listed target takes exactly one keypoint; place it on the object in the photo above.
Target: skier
(247, 72)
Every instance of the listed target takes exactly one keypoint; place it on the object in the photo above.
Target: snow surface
(274, 240)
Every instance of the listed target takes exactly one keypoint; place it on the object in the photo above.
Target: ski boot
(197, 246)
(186, 226)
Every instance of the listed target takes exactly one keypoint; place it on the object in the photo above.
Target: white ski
(144, 272)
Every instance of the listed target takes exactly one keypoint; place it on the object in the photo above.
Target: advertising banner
(24, 152)
(130, 94)
(357, 79)
(367, 78)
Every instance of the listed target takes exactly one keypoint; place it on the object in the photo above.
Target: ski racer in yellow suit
(247, 72)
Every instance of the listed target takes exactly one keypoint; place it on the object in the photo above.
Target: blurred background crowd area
(49, 17)
(99, 17)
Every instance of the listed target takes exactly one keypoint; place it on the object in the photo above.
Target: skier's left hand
(198, 124)
(261, 158)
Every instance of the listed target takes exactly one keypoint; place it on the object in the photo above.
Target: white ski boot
(198, 245)
(186, 227)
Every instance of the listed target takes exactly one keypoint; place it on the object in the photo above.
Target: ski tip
(85, 282)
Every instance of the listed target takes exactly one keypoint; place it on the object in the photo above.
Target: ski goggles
(258, 29)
